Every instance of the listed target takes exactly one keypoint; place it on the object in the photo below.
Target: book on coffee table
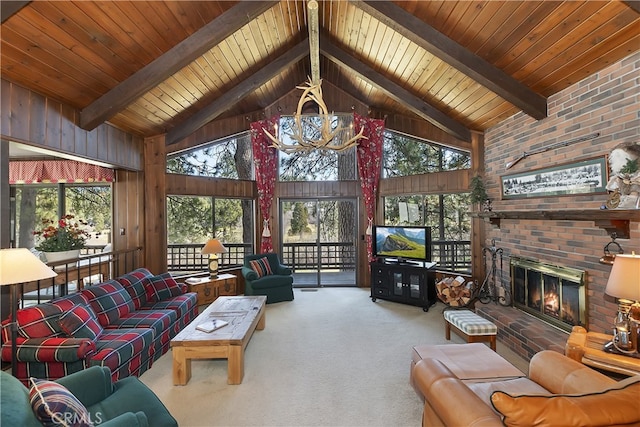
(211, 325)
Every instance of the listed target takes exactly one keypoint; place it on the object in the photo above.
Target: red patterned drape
(32, 171)
(369, 166)
(265, 158)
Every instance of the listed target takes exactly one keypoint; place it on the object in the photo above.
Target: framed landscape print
(587, 176)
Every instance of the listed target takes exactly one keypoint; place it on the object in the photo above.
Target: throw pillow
(81, 322)
(611, 407)
(134, 284)
(39, 321)
(161, 287)
(110, 301)
(54, 405)
(261, 266)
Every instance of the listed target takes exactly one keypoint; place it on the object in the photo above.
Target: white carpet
(328, 358)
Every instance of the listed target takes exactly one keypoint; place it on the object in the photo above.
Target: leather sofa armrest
(442, 390)
(90, 386)
(566, 375)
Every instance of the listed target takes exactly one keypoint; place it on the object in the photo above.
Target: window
(405, 155)
(230, 158)
(448, 217)
(317, 165)
(192, 220)
(33, 203)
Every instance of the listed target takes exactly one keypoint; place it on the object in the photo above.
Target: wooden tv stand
(408, 283)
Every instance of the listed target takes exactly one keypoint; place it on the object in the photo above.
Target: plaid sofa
(124, 324)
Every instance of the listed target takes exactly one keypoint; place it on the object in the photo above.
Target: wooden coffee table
(245, 314)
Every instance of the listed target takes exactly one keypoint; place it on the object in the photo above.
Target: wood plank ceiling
(151, 67)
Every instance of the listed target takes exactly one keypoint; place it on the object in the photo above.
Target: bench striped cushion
(470, 323)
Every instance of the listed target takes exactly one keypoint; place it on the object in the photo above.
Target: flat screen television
(403, 243)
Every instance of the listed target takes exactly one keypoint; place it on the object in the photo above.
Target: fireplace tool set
(489, 289)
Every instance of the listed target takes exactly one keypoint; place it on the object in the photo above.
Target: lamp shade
(624, 280)
(20, 265)
(213, 246)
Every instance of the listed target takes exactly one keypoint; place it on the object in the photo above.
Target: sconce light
(213, 247)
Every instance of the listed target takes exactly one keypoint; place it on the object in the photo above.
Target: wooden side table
(587, 348)
(209, 289)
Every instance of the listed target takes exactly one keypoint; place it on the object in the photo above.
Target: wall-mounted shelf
(612, 220)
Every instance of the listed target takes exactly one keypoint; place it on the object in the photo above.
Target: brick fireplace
(547, 301)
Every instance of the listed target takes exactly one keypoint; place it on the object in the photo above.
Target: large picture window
(405, 155)
(31, 204)
(448, 217)
(192, 220)
(229, 157)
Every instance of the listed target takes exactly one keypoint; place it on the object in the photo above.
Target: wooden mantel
(612, 220)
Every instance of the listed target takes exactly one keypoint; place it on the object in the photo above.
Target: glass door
(319, 241)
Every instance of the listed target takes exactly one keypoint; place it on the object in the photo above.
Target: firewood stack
(454, 292)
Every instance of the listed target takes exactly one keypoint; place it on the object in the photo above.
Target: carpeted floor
(328, 358)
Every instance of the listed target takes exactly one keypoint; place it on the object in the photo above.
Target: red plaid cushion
(109, 300)
(54, 405)
(261, 266)
(133, 283)
(162, 287)
(39, 321)
(80, 322)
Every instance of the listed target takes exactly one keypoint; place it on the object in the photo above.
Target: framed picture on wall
(583, 177)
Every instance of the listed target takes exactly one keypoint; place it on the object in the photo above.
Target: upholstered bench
(472, 327)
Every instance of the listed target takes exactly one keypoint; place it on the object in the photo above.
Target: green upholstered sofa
(277, 286)
(127, 402)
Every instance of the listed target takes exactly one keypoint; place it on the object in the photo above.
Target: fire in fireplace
(552, 293)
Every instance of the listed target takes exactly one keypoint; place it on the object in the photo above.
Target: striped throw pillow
(261, 266)
(54, 405)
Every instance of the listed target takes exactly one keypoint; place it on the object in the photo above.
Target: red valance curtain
(369, 166)
(56, 171)
(265, 158)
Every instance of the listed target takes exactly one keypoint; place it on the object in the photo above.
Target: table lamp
(213, 247)
(624, 284)
(20, 265)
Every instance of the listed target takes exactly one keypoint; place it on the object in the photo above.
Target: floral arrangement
(66, 235)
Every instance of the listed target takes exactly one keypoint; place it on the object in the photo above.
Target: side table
(587, 348)
(209, 289)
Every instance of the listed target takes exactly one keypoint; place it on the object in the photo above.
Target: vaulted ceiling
(152, 67)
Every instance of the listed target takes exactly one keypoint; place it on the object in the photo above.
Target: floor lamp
(17, 266)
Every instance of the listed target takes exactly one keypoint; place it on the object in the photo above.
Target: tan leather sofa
(557, 391)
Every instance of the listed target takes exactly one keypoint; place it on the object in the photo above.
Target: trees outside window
(33, 203)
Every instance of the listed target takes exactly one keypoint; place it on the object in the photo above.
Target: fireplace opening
(552, 293)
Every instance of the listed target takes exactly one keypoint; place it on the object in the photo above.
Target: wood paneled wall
(128, 211)
(203, 186)
(33, 119)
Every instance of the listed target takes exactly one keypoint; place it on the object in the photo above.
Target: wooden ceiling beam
(457, 56)
(231, 97)
(176, 58)
(395, 91)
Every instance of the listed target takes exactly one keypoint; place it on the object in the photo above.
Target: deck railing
(186, 258)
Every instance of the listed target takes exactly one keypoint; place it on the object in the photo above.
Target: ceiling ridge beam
(454, 54)
(176, 58)
(395, 91)
(238, 92)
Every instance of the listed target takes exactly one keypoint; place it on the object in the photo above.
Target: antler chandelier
(313, 131)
